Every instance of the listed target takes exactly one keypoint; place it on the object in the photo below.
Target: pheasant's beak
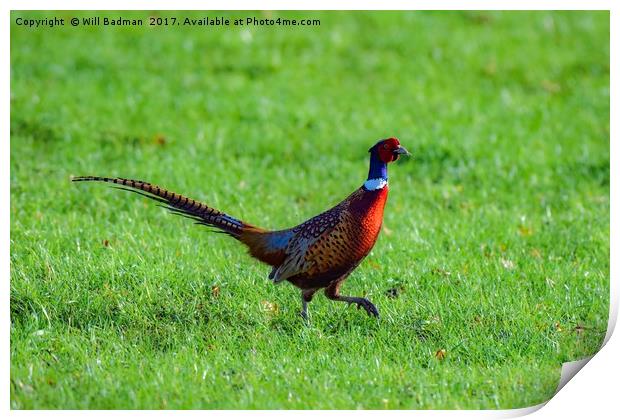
(402, 151)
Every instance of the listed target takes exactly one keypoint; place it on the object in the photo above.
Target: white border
(596, 387)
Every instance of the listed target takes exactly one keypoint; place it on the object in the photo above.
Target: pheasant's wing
(307, 251)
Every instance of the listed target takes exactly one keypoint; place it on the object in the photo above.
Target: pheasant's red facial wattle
(388, 149)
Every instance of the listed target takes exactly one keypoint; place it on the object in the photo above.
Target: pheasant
(319, 253)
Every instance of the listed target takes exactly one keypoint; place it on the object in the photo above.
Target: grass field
(496, 235)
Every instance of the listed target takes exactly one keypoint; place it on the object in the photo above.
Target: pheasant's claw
(371, 309)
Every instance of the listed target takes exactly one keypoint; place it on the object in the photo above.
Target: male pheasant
(319, 253)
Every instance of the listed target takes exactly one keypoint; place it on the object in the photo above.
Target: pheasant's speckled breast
(332, 244)
(368, 209)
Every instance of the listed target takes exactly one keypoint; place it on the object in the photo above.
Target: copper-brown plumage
(319, 253)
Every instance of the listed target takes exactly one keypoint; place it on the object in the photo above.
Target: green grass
(496, 234)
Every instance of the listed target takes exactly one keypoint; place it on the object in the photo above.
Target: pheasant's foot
(304, 315)
(306, 296)
(368, 306)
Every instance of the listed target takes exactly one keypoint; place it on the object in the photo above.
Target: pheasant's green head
(388, 150)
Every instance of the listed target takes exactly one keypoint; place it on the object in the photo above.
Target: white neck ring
(375, 184)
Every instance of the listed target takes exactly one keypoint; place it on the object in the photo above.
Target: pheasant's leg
(306, 297)
(332, 292)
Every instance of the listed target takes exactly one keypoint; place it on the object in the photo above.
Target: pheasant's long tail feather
(178, 204)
